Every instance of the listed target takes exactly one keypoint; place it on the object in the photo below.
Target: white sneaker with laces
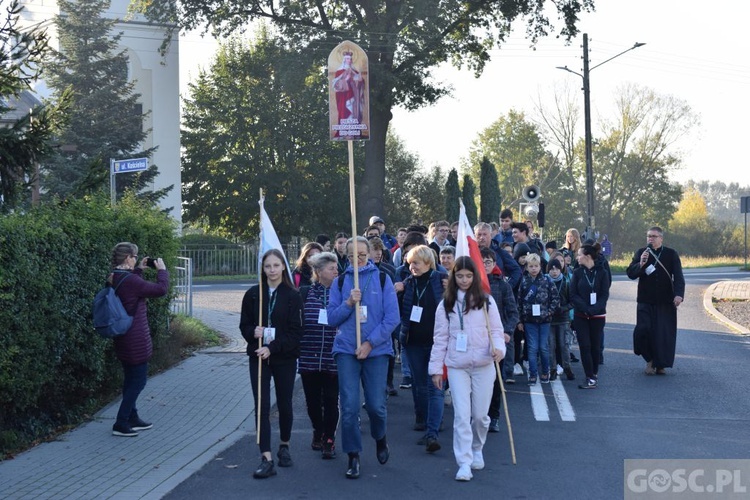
(478, 461)
(464, 473)
(560, 370)
(517, 370)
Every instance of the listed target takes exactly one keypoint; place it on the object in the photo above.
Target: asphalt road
(698, 410)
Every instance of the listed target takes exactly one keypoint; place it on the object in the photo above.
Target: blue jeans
(509, 360)
(132, 385)
(405, 367)
(537, 338)
(372, 372)
(428, 399)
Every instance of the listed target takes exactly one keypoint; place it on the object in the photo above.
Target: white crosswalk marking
(567, 414)
(539, 403)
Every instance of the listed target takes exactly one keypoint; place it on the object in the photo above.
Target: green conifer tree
(452, 195)
(489, 192)
(106, 118)
(468, 195)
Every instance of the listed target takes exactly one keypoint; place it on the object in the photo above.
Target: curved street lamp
(590, 220)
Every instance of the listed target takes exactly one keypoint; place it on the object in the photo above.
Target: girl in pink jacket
(462, 343)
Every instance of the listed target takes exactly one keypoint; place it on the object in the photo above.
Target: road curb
(708, 305)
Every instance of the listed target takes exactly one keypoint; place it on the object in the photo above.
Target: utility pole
(590, 218)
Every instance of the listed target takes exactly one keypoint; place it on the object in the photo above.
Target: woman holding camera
(134, 348)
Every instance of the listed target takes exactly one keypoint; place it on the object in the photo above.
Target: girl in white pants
(462, 343)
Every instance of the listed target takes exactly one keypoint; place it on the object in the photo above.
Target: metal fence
(229, 260)
(183, 301)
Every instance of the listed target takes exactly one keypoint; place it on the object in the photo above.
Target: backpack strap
(127, 275)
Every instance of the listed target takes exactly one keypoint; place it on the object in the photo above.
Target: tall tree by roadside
(404, 42)
(490, 198)
(105, 118)
(468, 195)
(24, 139)
(452, 195)
(256, 118)
(517, 149)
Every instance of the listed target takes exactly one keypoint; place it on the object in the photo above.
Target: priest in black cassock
(661, 288)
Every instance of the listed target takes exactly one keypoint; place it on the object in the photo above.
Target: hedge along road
(692, 412)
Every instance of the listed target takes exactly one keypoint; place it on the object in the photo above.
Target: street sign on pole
(130, 165)
(123, 167)
(745, 209)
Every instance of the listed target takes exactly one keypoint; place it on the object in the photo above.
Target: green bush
(54, 368)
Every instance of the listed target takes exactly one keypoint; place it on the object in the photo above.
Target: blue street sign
(130, 165)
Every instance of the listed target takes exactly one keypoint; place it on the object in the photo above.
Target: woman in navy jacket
(589, 292)
(134, 348)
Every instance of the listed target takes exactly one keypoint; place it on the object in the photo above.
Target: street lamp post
(590, 219)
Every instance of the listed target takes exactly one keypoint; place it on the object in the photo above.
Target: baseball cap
(375, 219)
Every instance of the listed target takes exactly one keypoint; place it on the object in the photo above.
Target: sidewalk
(726, 290)
(199, 408)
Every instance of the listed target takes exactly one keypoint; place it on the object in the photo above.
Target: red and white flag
(466, 245)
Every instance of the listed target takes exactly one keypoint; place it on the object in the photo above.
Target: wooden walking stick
(260, 339)
(502, 386)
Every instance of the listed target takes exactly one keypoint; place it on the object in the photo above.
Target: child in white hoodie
(462, 343)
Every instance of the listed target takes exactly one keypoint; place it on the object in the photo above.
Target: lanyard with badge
(651, 268)
(416, 310)
(323, 313)
(462, 343)
(591, 282)
(269, 333)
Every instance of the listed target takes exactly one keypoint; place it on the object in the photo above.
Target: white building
(157, 81)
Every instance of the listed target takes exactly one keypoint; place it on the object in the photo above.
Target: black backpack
(110, 317)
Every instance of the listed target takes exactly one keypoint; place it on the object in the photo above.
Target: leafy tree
(468, 195)
(404, 42)
(429, 194)
(452, 195)
(489, 192)
(515, 146)
(722, 200)
(251, 121)
(105, 118)
(693, 231)
(403, 177)
(23, 139)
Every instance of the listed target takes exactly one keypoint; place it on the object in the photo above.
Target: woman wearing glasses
(367, 363)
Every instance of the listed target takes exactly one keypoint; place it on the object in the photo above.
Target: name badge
(650, 269)
(322, 317)
(536, 310)
(462, 343)
(592, 298)
(416, 314)
(269, 335)
(363, 314)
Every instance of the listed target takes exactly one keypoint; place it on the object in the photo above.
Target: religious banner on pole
(349, 93)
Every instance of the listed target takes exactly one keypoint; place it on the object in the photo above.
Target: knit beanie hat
(520, 249)
(554, 264)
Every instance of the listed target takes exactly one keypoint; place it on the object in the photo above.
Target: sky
(695, 51)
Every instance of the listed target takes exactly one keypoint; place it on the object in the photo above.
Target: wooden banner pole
(260, 340)
(355, 251)
(502, 387)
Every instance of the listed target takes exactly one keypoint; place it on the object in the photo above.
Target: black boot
(353, 470)
(382, 450)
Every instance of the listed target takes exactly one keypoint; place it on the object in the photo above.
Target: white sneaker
(464, 473)
(517, 370)
(560, 370)
(478, 462)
